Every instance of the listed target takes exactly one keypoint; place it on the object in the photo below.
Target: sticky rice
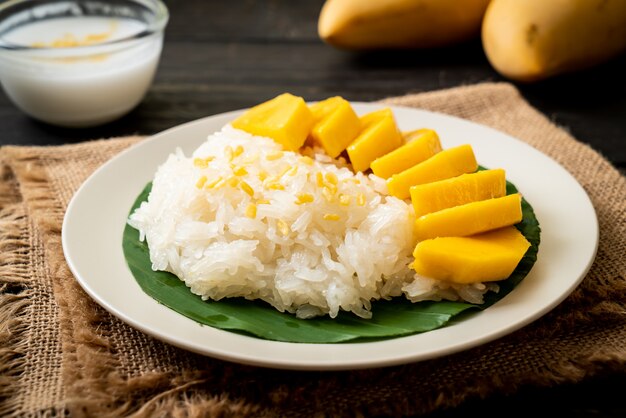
(243, 218)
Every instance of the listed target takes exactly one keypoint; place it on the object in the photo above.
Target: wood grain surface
(222, 55)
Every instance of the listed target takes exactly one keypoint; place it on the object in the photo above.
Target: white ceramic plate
(95, 219)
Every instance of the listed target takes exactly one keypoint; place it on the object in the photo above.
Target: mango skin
(285, 118)
(378, 24)
(490, 256)
(532, 40)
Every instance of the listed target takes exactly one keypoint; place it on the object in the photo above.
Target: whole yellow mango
(372, 24)
(531, 40)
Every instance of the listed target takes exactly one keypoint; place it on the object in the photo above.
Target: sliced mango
(325, 107)
(336, 125)
(455, 191)
(490, 256)
(409, 136)
(376, 116)
(448, 163)
(471, 218)
(285, 118)
(424, 143)
(379, 136)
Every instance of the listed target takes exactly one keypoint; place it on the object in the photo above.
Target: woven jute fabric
(61, 353)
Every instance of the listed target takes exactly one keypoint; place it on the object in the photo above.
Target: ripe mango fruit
(363, 24)
(490, 256)
(456, 191)
(471, 218)
(285, 118)
(448, 163)
(423, 144)
(531, 40)
(336, 125)
(379, 136)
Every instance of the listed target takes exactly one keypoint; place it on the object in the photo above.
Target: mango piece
(466, 188)
(471, 218)
(424, 143)
(448, 163)
(489, 256)
(285, 118)
(324, 108)
(379, 136)
(375, 116)
(409, 136)
(336, 125)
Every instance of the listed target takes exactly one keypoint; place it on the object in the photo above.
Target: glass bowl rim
(161, 14)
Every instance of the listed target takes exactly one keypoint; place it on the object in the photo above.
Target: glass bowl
(77, 63)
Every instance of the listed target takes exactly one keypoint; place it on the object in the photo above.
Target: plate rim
(305, 364)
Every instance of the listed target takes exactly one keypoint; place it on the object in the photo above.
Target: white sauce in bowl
(73, 73)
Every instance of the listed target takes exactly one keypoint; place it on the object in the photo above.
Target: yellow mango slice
(375, 116)
(285, 118)
(409, 136)
(448, 163)
(471, 218)
(485, 257)
(466, 188)
(336, 125)
(323, 108)
(424, 143)
(379, 136)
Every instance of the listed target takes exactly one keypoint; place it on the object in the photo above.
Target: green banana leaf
(391, 319)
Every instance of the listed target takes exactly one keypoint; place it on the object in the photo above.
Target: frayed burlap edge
(91, 366)
(14, 293)
(184, 395)
(47, 213)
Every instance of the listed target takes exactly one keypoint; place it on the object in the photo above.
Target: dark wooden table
(221, 55)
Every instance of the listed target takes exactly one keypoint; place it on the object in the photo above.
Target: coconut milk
(74, 73)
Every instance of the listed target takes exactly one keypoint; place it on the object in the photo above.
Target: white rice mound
(243, 218)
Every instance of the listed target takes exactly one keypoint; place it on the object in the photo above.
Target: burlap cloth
(61, 353)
